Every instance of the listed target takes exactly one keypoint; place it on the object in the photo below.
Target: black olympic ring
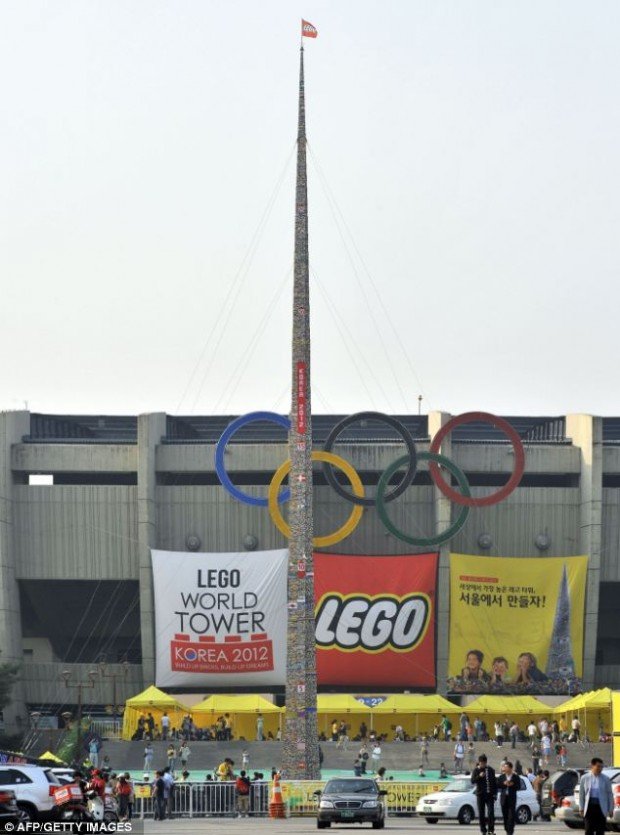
(408, 476)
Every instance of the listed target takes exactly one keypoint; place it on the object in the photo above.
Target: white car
(568, 812)
(457, 801)
(34, 788)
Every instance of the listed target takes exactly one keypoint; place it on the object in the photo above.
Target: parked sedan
(457, 801)
(351, 800)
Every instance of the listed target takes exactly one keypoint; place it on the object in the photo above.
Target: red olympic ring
(513, 481)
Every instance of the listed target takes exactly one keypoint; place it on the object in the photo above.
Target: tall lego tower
(300, 752)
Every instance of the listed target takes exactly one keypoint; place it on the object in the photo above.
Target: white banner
(220, 619)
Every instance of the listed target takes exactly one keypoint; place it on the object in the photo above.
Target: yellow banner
(615, 717)
(401, 797)
(516, 624)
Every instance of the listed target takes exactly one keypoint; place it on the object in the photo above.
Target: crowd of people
(222, 730)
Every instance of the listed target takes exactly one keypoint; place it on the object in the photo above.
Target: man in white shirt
(576, 727)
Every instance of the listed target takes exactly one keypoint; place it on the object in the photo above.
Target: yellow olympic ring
(351, 523)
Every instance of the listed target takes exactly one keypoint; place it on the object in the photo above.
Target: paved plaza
(293, 826)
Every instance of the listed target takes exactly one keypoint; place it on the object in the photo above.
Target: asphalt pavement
(296, 826)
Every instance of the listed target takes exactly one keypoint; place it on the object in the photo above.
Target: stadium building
(83, 499)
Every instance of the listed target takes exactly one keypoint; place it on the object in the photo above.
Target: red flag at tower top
(308, 30)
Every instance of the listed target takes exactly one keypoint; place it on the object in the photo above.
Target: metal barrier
(107, 728)
(208, 799)
(215, 799)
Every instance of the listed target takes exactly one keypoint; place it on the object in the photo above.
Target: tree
(8, 676)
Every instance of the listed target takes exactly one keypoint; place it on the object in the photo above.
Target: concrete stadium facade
(75, 571)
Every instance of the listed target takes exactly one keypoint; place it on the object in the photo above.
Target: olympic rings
(513, 436)
(220, 449)
(454, 528)
(411, 457)
(342, 532)
(463, 498)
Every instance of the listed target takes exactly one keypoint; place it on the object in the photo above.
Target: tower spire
(300, 754)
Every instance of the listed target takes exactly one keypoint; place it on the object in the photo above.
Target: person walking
(165, 725)
(93, 753)
(148, 757)
(596, 800)
(459, 756)
(499, 734)
(485, 788)
(471, 755)
(159, 788)
(376, 757)
(259, 727)
(171, 757)
(514, 735)
(576, 728)
(424, 750)
(508, 785)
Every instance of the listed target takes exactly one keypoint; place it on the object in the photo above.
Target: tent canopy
(416, 703)
(152, 700)
(52, 758)
(508, 705)
(594, 700)
(339, 703)
(154, 697)
(235, 704)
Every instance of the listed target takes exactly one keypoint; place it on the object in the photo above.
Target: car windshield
(350, 787)
(457, 786)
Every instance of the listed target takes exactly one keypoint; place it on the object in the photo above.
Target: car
(9, 813)
(64, 775)
(457, 801)
(560, 784)
(351, 800)
(568, 812)
(33, 786)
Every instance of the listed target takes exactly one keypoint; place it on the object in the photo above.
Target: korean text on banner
(516, 624)
(220, 617)
(375, 620)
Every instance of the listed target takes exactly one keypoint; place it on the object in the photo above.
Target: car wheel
(523, 815)
(465, 815)
(432, 820)
(26, 812)
(378, 824)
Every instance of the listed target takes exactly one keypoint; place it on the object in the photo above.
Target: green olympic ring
(423, 541)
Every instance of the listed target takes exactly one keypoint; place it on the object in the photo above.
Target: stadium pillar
(151, 429)
(443, 509)
(586, 433)
(13, 427)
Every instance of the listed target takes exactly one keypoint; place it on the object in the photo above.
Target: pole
(79, 724)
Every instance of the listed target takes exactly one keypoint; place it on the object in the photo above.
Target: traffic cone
(276, 804)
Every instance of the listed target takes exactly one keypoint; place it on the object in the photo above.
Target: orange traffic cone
(276, 804)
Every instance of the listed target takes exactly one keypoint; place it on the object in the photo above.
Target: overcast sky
(464, 181)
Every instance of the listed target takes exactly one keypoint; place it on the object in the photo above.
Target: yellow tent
(52, 758)
(243, 712)
(615, 703)
(341, 707)
(154, 701)
(507, 706)
(593, 710)
(417, 713)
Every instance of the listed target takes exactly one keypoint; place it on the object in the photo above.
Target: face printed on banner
(497, 602)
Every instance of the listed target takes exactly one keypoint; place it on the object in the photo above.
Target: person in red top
(123, 792)
(97, 783)
(242, 786)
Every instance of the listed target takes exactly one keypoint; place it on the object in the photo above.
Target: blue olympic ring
(220, 449)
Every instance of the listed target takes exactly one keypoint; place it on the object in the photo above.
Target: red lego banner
(375, 620)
